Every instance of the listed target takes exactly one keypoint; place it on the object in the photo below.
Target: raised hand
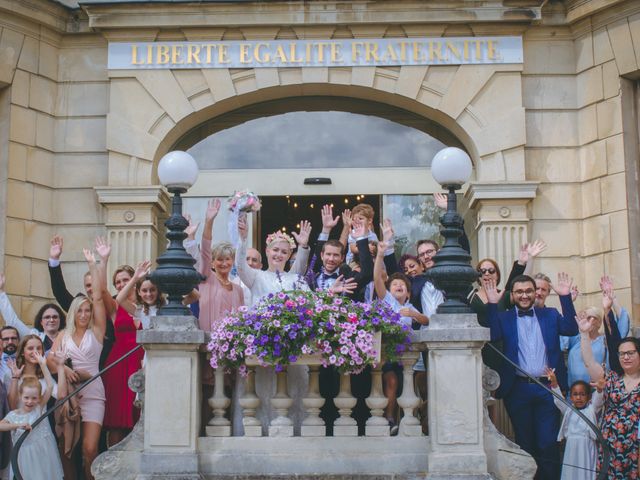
(142, 269)
(585, 324)
(607, 301)
(328, 220)
(42, 361)
(574, 293)
(441, 200)
(382, 247)
(58, 359)
(89, 256)
(491, 289)
(343, 286)
(386, 227)
(536, 248)
(550, 373)
(192, 228)
(15, 371)
(523, 254)
(359, 230)
(346, 219)
(103, 248)
(213, 207)
(2, 282)
(600, 384)
(243, 230)
(55, 248)
(302, 237)
(606, 283)
(564, 284)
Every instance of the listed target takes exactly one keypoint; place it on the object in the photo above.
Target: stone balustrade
(313, 425)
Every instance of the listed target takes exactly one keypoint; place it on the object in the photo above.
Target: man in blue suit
(531, 339)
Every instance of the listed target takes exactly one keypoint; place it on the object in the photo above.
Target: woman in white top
(279, 247)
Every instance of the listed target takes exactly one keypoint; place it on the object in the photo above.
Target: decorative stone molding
(133, 222)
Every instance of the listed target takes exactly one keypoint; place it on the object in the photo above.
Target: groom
(531, 339)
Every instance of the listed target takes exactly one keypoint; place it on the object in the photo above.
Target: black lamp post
(452, 271)
(175, 274)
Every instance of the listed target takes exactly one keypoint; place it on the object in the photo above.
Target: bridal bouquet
(283, 326)
(244, 201)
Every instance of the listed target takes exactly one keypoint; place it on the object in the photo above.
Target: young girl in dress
(581, 451)
(38, 457)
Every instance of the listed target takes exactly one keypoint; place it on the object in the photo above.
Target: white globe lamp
(177, 171)
(451, 167)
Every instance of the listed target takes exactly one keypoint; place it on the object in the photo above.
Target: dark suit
(533, 415)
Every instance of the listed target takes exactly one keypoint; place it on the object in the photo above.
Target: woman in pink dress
(81, 342)
(218, 294)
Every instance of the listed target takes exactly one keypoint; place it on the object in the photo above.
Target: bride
(278, 249)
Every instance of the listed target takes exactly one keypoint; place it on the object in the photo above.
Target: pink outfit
(86, 357)
(215, 299)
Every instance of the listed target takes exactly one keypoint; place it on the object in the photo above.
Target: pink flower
(332, 359)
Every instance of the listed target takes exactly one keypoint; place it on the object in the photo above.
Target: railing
(16, 447)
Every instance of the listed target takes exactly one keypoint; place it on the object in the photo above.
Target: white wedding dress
(261, 283)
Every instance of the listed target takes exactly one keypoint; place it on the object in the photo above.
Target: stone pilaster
(172, 394)
(134, 217)
(502, 218)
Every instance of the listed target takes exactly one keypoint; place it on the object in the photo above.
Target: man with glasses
(531, 339)
(10, 339)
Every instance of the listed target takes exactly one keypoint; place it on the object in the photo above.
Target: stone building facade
(554, 139)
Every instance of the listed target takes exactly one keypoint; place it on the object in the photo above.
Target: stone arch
(151, 110)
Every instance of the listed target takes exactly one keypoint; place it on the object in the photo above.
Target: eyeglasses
(627, 354)
(490, 271)
(528, 292)
(50, 317)
(427, 253)
(10, 339)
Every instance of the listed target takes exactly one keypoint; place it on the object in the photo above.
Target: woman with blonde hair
(81, 342)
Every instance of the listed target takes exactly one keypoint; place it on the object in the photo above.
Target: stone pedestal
(455, 396)
(172, 410)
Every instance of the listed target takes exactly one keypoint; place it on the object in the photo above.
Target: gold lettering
(134, 56)
(176, 54)
(355, 51)
(390, 54)
(336, 54)
(479, 49)
(455, 51)
(244, 53)
(280, 54)
(223, 54)
(193, 54)
(371, 51)
(403, 51)
(435, 50)
(492, 49)
(292, 54)
(209, 47)
(307, 54)
(149, 54)
(256, 53)
(321, 46)
(418, 56)
(465, 49)
(163, 54)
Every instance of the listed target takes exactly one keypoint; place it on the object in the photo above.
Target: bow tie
(525, 313)
(6, 356)
(330, 275)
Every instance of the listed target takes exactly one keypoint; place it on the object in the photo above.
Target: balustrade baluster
(345, 426)
(409, 401)
(219, 426)
(250, 403)
(313, 425)
(377, 425)
(281, 426)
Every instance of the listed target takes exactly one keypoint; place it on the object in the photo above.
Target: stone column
(172, 396)
(455, 395)
(134, 222)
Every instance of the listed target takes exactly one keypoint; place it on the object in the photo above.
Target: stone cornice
(40, 12)
(500, 191)
(174, 15)
(153, 194)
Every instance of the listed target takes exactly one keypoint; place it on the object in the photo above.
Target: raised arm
(213, 208)
(379, 272)
(328, 223)
(46, 395)
(9, 314)
(58, 360)
(58, 287)
(493, 298)
(16, 373)
(346, 228)
(123, 298)
(247, 274)
(528, 253)
(190, 244)
(567, 325)
(99, 310)
(594, 368)
(302, 238)
(103, 248)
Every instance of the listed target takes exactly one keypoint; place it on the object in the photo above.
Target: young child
(581, 452)
(38, 458)
(362, 214)
(395, 292)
